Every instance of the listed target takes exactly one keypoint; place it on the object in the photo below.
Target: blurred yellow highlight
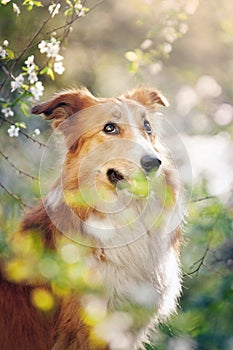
(98, 342)
(42, 299)
(18, 270)
(95, 310)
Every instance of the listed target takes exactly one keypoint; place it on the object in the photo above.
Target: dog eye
(111, 128)
(147, 127)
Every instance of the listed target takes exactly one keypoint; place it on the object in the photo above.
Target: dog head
(109, 140)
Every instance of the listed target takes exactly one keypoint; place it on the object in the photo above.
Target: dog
(117, 197)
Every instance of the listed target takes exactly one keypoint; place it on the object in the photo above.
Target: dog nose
(150, 162)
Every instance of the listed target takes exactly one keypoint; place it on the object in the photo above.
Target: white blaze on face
(143, 145)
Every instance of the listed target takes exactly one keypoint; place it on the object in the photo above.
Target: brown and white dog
(129, 223)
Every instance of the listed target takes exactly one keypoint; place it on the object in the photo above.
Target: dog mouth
(138, 183)
(114, 176)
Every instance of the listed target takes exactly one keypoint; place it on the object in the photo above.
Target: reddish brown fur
(22, 326)
(147, 97)
(65, 104)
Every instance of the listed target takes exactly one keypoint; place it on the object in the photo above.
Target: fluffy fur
(134, 238)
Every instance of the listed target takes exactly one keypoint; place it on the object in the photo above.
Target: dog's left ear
(65, 104)
(148, 97)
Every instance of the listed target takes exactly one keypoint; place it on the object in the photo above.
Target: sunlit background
(185, 49)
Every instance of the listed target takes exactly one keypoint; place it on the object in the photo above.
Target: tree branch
(6, 71)
(17, 198)
(209, 197)
(19, 171)
(24, 133)
(26, 48)
(203, 199)
(75, 18)
(199, 263)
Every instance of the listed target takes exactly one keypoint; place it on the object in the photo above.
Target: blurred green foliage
(205, 316)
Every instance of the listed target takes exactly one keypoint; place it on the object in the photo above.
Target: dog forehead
(94, 117)
(117, 110)
(129, 111)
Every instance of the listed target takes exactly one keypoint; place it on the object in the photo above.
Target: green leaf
(10, 54)
(44, 70)
(50, 73)
(69, 3)
(133, 67)
(69, 12)
(18, 98)
(21, 125)
(86, 9)
(24, 108)
(30, 4)
(4, 104)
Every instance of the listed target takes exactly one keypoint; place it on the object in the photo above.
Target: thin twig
(200, 262)
(210, 197)
(6, 71)
(75, 18)
(17, 198)
(203, 199)
(24, 133)
(20, 172)
(96, 5)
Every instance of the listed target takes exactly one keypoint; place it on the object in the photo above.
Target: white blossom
(167, 48)
(59, 58)
(51, 48)
(17, 83)
(3, 52)
(170, 34)
(146, 44)
(30, 61)
(43, 46)
(79, 6)
(183, 28)
(54, 9)
(31, 69)
(37, 90)
(58, 67)
(79, 9)
(7, 112)
(32, 77)
(16, 9)
(13, 131)
(36, 132)
(4, 2)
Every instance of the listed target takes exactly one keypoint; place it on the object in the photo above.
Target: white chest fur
(140, 267)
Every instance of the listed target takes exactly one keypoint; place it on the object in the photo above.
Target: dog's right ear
(64, 104)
